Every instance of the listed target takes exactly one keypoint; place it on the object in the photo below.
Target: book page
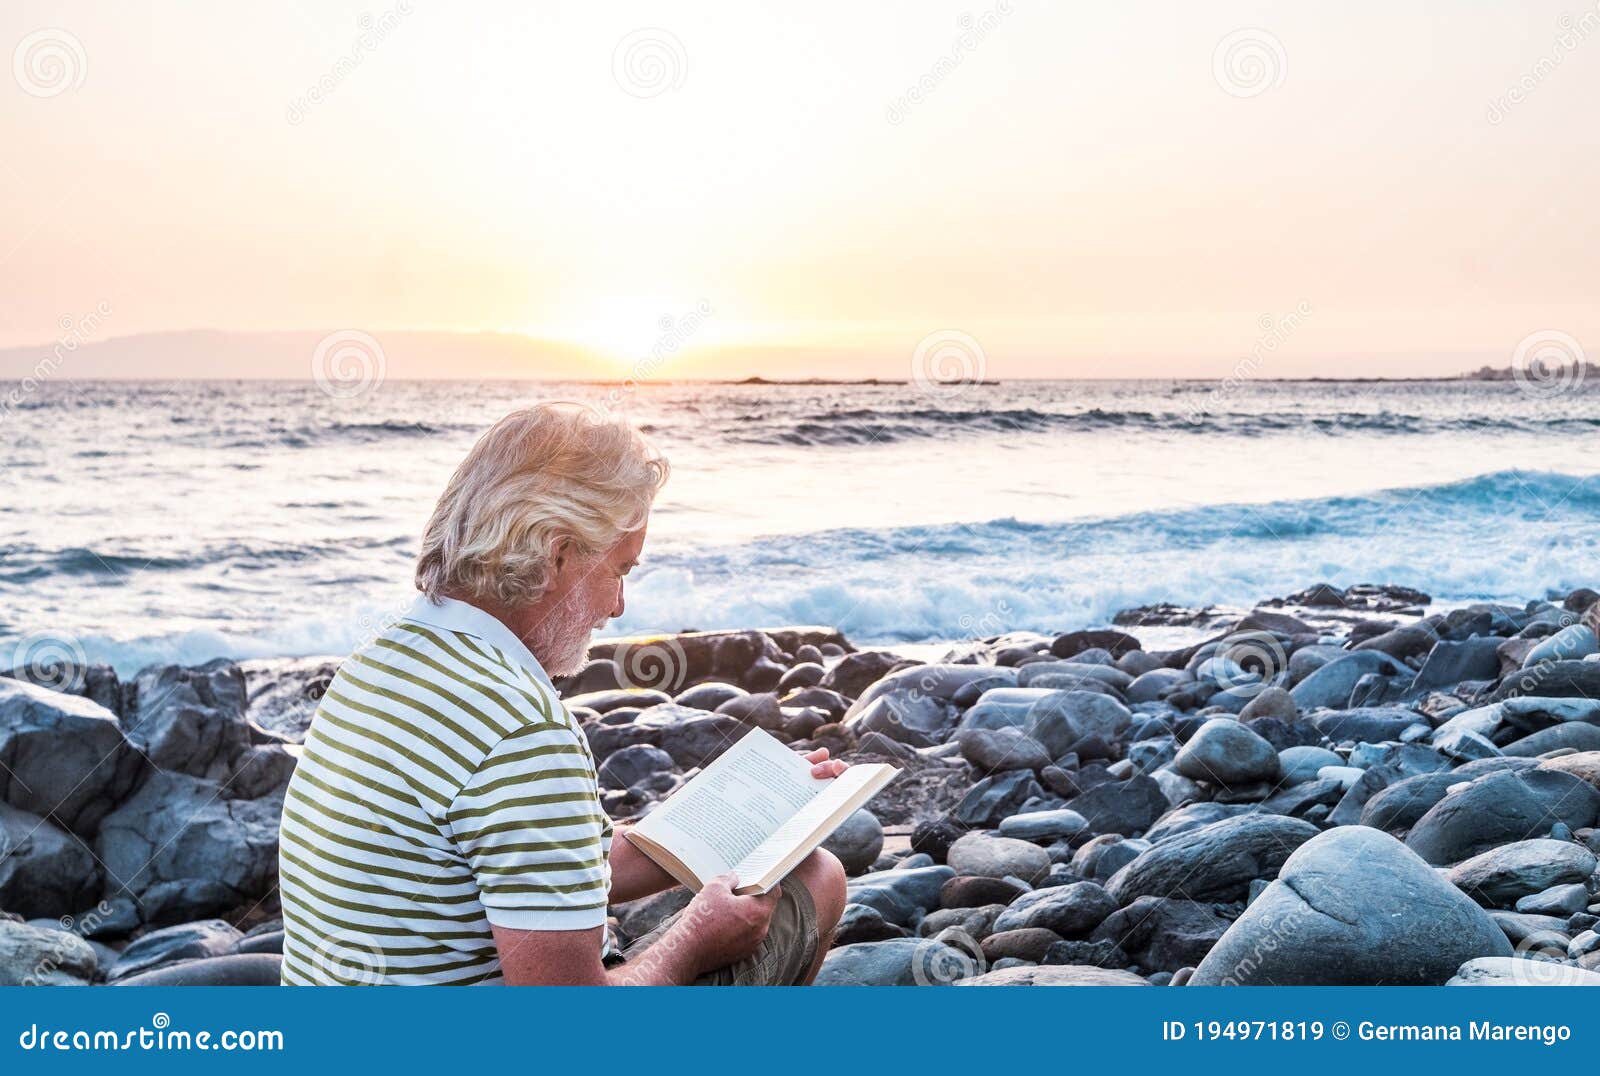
(740, 800)
(803, 823)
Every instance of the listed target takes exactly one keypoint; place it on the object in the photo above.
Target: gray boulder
(1499, 808)
(1300, 764)
(903, 896)
(1502, 876)
(995, 798)
(1353, 906)
(190, 719)
(992, 751)
(1044, 826)
(237, 969)
(1069, 910)
(185, 852)
(1214, 862)
(1520, 971)
(62, 756)
(1332, 684)
(1162, 934)
(1054, 975)
(187, 941)
(1226, 753)
(907, 716)
(38, 956)
(998, 857)
(1062, 718)
(1127, 807)
(897, 962)
(44, 871)
(857, 842)
(629, 766)
(284, 693)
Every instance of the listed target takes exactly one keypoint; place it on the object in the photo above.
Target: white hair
(546, 474)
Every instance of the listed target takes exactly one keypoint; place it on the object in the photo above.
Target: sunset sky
(1087, 190)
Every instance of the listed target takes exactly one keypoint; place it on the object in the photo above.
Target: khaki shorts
(785, 955)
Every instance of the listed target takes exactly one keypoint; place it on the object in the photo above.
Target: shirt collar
(452, 615)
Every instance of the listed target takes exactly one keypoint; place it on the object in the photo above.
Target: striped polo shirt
(443, 787)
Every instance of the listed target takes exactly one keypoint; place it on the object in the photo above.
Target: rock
(1585, 766)
(1163, 934)
(1502, 807)
(1061, 718)
(692, 737)
(239, 969)
(974, 891)
(1044, 826)
(44, 870)
(96, 682)
(857, 842)
(1572, 643)
(901, 896)
(976, 923)
(998, 857)
(282, 694)
(1030, 944)
(1353, 906)
(1449, 663)
(603, 702)
(261, 770)
(907, 716)
(1300, 764)
(629, 766)
(1502, 876)
(1069, 910)
(992, 751)
(637, 918)
(1055, 975)
(1226, 753)
(1553, 679)
(1464, 745)
(1332, 684)
(709, 696)
(1518, 971)
(1193, 816)
(1214, 862)
(860, 923)
(62, 756)
(1372, 724)
(1127, 807)
(270, 942)
(1150, 686)
(1573, 736)
(35, 956)
(934, 838)
(995, 798)
(190, 719)
(1564, 900)
(184, 852)
(897, 962)
(1300, 800)
(1398, 807)
(1073, 643)
(188, 941)
(853, 673)
(1271, 701)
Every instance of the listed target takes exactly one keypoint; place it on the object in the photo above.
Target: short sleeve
(529, 822)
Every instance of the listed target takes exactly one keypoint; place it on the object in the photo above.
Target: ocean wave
(861, 426)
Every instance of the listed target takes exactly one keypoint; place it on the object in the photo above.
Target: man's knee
(823, 875)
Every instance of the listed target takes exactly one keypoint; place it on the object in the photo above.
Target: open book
(756, 811)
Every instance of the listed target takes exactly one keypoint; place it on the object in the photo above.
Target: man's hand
(721, 927)
(823, 766)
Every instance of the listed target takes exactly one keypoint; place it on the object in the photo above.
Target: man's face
(585, 593)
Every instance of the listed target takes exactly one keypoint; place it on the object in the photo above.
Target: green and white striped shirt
(443, 787)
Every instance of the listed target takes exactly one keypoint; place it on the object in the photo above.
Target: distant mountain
(207, 353)
(1507, 373)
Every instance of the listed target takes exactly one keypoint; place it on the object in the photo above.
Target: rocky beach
(1339, 786)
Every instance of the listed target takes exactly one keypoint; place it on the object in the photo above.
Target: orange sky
(1085, 190)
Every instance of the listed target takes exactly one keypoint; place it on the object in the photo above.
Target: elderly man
(444, 824)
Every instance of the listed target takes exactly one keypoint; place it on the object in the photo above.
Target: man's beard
(561, 640)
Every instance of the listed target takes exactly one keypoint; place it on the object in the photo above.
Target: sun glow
(634, 329)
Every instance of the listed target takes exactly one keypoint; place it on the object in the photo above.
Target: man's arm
(718, 928)
(634, 874)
